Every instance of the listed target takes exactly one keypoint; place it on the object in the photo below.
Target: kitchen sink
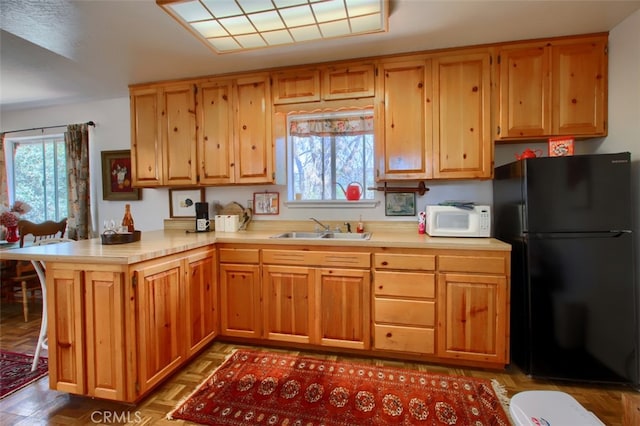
(347, 236)
(301, 235)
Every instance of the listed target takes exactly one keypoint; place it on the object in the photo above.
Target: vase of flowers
(9, 219)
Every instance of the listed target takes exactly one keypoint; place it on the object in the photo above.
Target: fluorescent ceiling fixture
(235, 25)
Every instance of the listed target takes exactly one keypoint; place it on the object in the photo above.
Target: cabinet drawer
(483, 264)
(404, 339)
(405, 284)
(316, 258)
(409, 312)
(416, 262)
(228, 255)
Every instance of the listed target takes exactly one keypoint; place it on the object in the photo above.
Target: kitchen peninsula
(122, 318)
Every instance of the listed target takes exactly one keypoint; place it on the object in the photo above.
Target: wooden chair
(26, 279)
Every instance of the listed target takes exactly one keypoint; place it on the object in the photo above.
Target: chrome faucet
(326, 228)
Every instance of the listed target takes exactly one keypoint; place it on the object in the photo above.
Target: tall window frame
(316, 172)
(37, 175)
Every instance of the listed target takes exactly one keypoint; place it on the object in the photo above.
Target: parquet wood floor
(38, 405)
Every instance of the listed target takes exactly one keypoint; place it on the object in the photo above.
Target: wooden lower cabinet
(319, 297)
(117, 331)
(343, 307)
(288, 306)
(404, 308)
(240, 299)
(472, 317)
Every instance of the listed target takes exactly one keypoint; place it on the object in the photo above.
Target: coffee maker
(202, 217)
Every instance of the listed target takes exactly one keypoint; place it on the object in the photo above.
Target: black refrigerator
(573, 293)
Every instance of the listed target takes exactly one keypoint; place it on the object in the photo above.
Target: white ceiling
(58, 51)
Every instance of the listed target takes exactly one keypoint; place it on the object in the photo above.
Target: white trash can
(549, 408)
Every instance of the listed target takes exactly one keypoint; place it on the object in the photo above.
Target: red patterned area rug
(15, 371)
(265, 388)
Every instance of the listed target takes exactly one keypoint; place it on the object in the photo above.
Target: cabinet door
(240, 300)
(160, 344)
(288, 303)
(65, 330)
(296, 86)
(472, 317)
(200, 300)
(348, 81)
(215, 132)
(253, 140)
(462, 143)
(105, 345)
(178, 120)
(146, 142)
(405, 148)
(525, 91)
(343, 308)
(579, 87)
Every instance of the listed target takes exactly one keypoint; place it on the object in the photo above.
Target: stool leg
(42, 337)
(25, 303)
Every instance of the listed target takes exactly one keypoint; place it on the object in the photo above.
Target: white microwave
(452, 221)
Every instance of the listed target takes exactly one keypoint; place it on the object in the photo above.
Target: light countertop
(155, 244)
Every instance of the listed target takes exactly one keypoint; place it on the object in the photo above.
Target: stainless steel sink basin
(302, 235)
(347, 236)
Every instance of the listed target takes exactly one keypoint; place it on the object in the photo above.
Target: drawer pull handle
(389, 335)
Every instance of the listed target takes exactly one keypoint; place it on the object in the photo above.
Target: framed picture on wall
(116, 176)
(400, 203)
(266, 202)
(182, 202)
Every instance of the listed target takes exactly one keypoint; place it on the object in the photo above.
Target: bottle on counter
(127, 220)
(360, 227)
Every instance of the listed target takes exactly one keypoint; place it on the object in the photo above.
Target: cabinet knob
(389, 334)
(475, 89)
(380, 287)
(206, 138)
(175, 129)
(253, 147)
(244, 127)
(385, 263)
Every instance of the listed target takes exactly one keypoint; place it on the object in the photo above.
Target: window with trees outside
(327, 152)
(38, 175)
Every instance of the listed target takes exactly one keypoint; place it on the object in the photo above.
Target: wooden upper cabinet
(296, 86)
(179, 134)
(525, 89)
(404, 148)
(253, 144)
(146, 143)
(462, 143)
(348, 81)
(163, 135)
(579, 87)
(215, 132)
(556, 87)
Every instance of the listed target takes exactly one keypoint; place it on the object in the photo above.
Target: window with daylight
(37, 175)
(328, 152)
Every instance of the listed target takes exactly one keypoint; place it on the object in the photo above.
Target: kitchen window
(327, 153)
(37, 175)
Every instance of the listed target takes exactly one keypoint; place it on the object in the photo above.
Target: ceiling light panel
(232, 25)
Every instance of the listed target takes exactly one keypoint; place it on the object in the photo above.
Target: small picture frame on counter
(400, 203)
(266, 202)
(561, 146)
(182, 202)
